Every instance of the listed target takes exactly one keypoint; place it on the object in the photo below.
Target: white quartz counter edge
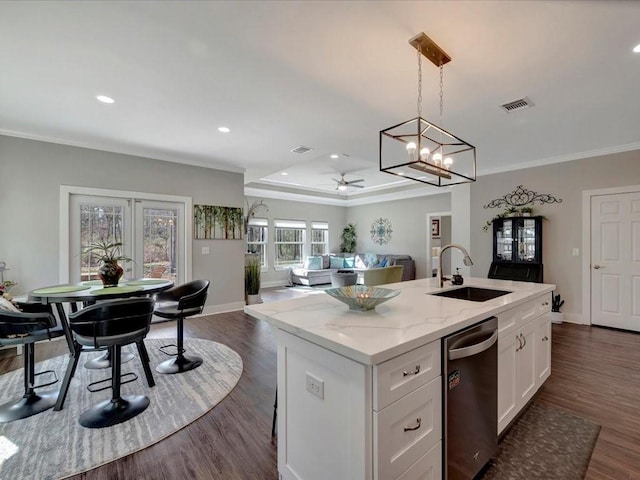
(410, 320)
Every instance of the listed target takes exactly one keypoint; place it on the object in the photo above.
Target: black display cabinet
(517, 249)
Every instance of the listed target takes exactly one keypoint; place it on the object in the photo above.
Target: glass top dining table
(90, 292)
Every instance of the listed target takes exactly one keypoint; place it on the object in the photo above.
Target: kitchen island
(360, 392)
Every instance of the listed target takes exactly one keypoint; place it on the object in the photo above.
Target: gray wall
(31, 173)
(409, 224)
(336, 217)
(563, 230)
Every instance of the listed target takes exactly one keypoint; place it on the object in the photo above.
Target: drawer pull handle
(415, 372)
(409, 429)
(524, 341)
(545, 339)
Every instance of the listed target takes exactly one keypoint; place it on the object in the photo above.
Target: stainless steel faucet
(467, 260)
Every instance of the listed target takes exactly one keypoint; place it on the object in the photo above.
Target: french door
(151, 233)
(615, 260)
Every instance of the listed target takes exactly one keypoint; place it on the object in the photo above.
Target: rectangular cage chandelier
(421, 150)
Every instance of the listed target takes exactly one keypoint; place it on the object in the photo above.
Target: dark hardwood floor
(595, 374)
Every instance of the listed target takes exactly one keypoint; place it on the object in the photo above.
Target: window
(289, 242)
(319, 238)
(257, 238)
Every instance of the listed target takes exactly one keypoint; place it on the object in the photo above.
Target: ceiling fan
(342, 184)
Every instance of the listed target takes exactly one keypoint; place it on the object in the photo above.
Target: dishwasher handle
(456, 353)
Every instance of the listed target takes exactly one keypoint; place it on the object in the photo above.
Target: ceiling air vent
(517, 105)
(301, 149)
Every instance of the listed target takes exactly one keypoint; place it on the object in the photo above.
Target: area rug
(53, 445)
(545, 444)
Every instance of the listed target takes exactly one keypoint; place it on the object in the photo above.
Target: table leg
(64, 322)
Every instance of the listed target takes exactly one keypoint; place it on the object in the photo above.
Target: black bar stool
(177, 303)
(34, 324)
(112, 324)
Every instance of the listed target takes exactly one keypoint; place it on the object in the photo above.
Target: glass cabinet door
(504, 240)
(526, 240)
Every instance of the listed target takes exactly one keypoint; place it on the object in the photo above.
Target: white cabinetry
(524, 356)
(382, 422)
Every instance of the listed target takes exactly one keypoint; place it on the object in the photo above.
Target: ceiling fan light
(342, 188)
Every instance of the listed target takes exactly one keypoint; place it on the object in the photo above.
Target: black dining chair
(112, 324)
(34, 324)
(177, 303)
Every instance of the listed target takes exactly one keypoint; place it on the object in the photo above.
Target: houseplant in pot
(349, 238)
(556, 303)
(252, 279)
(109, 254)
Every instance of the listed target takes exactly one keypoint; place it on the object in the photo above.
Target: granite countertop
(411, 319)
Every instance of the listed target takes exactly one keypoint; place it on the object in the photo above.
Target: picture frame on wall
(435, 228)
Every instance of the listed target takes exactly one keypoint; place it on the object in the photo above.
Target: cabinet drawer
(404, 431)
(428, 467)
(507, 321)
(543, 303)
(395, 378)
(528, 311)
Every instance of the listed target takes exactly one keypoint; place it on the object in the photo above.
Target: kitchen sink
(472, 294)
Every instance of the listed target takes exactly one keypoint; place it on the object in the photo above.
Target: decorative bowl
(361, 297)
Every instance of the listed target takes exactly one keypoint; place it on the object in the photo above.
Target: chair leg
(120, 408)
(71, 370)
(144, 358)
(181, 363)
(31, 403)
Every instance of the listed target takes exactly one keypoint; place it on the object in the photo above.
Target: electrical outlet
(205, 250)
(315, 386)
(576, 252)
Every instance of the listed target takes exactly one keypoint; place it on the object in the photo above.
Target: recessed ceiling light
(334, 155)
(400, 173)
(224, 129)
(105, 99)
(636, 49)
(284, 173)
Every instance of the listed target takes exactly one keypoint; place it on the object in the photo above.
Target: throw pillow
(383, 263)
(336, 262)
(313, 263)
(349, 262)
(370, 259)
(326, 262)
(360, 262)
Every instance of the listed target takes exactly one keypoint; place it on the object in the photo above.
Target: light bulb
(437, 158)
(342, 188)
(424, 154)
(448, 162)
(411, 150)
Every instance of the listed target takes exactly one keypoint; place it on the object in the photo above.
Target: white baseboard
(576, 318)
(222, 308)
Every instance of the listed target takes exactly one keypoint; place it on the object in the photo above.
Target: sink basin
(472, 294)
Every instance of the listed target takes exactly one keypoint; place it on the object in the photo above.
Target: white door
(152, 235)
(615, 260)
(158, 240)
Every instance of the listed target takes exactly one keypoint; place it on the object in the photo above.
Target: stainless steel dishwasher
(470, 367)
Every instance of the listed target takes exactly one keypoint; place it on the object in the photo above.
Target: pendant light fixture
(423, 151)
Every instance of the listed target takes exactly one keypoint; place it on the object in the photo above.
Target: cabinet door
(528, 240)
(543, 348)
(526, 365)
(503, 230)
(507, 396)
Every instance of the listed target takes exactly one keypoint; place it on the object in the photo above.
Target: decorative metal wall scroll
(381, 231)
(212, 222)
(521, 196)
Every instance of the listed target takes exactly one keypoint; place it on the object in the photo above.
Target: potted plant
(109, 254)
(556, 303)
(349, 239)
(252, 279)
(526, 211)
